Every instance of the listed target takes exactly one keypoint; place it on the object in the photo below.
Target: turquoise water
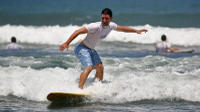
(170, 13)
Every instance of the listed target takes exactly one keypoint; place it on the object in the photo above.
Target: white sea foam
(36, 84)
(59, 34)
(117, 87)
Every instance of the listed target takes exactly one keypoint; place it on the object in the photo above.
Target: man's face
(105, 19)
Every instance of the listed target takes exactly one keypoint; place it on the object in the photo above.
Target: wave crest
(56, 35)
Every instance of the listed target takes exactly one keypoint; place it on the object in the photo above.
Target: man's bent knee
(88, 69)
(99, 67)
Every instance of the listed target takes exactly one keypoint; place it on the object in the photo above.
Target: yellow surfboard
(67, 97)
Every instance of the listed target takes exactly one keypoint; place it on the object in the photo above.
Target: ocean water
(171, 13)
(136, 78)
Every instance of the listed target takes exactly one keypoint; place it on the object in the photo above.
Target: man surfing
(85, 51)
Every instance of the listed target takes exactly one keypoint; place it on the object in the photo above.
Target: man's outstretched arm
(72, 37)
(128, 29)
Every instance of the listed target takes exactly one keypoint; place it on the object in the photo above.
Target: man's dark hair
(163, 37)
(107, 11)
(13, 40)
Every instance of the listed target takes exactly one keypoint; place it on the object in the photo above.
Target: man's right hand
(64, 46)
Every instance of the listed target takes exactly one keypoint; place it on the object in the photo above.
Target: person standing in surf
(85, 51)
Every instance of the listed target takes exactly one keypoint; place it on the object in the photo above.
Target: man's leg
(84, 75)
(99, 71)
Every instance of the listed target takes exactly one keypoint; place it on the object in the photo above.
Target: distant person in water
(85, 51)
(164, 47)
(13, 45)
